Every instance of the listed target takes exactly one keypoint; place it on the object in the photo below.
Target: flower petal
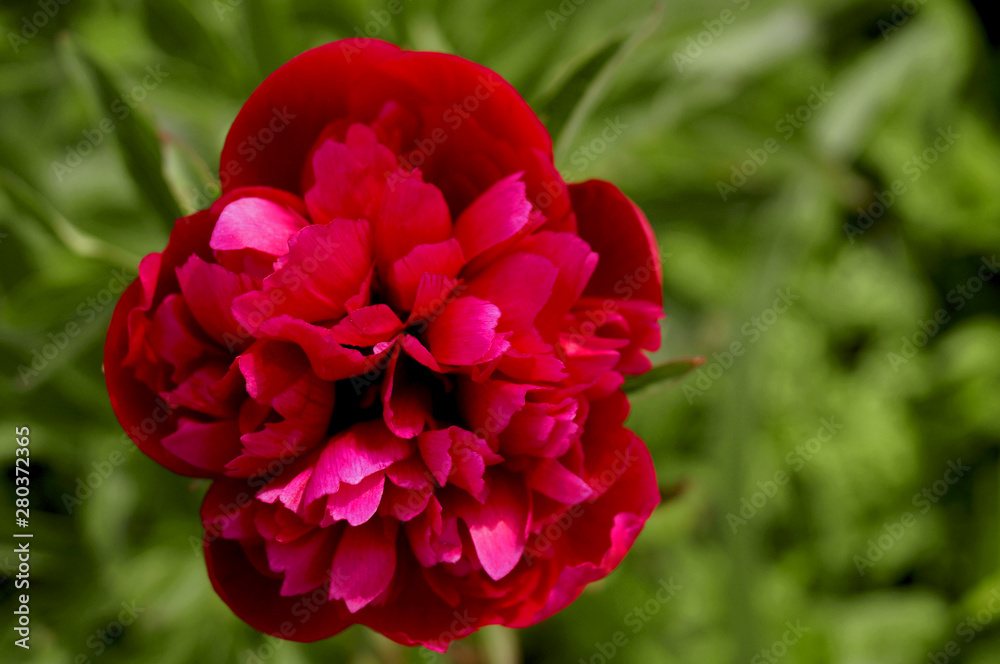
(412, 213)
(406, 275)
(258, 224)
(498, 526)
(349, 177)
(463, 331)
(556, 481)
(208, 446)
(364, 564)
(406, 405)
(365, 449)
(325, 267)
(618, 231)
(209, 291)
(357, 503)
(496, 216)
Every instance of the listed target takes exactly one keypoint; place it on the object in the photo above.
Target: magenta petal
(488, 406)
(365, 449)
(412, 213)
(403, 504)
(349, 177)
(329, 360)
(324, 479)
(287, 488)
(304, 561)
(406, 405)
(357, 503)
(463, 331)
(433, 292)
(213, 390)
(435, 449)
(630, 256)
(470, 455)
(497, 215)
(418, 352)
(433, 539)
(556, 481)
(255, 223)
(208, 446)
(575, 262)
(367, 326)
(498, 527)
(209, 291)
(520, 284)
(269, 368)
(404, 277)
(364, 564)
(178, 339)
(324, 268)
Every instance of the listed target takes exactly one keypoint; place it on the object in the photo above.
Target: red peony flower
(396, 344)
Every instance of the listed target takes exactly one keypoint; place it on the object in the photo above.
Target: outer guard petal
(619, 232)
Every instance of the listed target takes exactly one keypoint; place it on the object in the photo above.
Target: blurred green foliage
(767, 528)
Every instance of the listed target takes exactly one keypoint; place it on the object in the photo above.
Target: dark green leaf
(137, 139)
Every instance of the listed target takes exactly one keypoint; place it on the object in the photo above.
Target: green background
(693, 86)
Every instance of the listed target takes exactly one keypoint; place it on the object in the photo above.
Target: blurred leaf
(501, 645)
(600, 82)
(558, 99)
(75, 240)
(269, 32)
(672, 371)
(137, 140)
(863, 94)
(426, 33)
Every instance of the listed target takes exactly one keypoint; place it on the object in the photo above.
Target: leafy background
(895, 74)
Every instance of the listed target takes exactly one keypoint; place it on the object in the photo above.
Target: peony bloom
(396, 344)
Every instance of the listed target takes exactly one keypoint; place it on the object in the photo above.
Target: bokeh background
(824, 180)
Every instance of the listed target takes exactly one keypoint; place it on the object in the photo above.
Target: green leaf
(137, 140)
(600, 82)
(269, 27)
(558, 98)
(80, 243)
(671, 371)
